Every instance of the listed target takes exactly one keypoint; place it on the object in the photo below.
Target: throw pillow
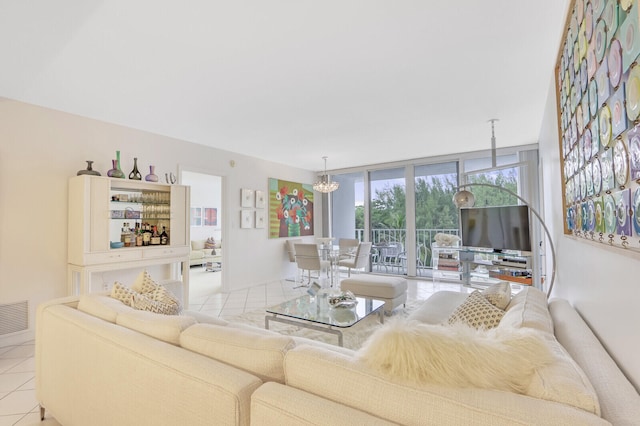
(477, 312)
(144, 283)
(145, 303)
(499, 294)
(458, 356)
(122, 293)
(210, 243)
(164, 296)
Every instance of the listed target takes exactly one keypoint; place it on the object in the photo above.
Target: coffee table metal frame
(304, 312)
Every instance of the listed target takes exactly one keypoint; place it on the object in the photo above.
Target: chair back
(362, 255)
(291, 251)
(348, 245)
(307, 257)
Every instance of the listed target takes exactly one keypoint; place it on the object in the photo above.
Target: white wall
(600, 281)
(40, 149)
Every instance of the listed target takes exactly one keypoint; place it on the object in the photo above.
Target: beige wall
(40, 149)
(601, 282)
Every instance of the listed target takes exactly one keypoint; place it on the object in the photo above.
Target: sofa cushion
(197, 244)
(438, 307)
(102, 305)
(162, 327)
(500, 358)
(528, 308)
(260, 353)
(499, 294)
(476, 312)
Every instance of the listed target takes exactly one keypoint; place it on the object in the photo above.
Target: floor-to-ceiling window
(388, 219)
(402, 207)
(434, 212)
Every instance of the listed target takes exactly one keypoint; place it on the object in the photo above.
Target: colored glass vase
(135, 173)
(89, 170)
(115, 172)
(151, 177)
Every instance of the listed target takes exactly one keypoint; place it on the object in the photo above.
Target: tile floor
(18, 404)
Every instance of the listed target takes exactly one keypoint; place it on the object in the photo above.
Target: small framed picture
(246, 197)
(260, 200)
(246, 219)
(260, 219)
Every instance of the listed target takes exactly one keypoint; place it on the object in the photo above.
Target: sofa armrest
(619, 401)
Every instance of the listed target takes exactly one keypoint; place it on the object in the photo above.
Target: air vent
(14, 317)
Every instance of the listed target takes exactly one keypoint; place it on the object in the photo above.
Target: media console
(479, 266)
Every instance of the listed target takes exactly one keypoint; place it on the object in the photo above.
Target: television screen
(499, 228)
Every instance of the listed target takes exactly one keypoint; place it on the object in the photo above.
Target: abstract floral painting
(290, 209)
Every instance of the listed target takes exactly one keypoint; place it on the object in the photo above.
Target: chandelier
(325, 184)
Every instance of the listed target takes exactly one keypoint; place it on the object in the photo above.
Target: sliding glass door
(388, 219)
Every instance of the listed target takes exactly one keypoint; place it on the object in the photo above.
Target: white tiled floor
(18, 404)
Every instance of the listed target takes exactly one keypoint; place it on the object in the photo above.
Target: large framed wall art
(598, 94)
(290, 209)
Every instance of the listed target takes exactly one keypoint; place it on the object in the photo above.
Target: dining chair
(389, 255)
(308, 259)
(347, 247)
(360, 260)
(291, 252)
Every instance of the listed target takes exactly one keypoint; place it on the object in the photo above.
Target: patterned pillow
(164, 296)
(122, 293)
(210, 244)
(145, 303)
(499, 294)
(144, 283)
(477, 312)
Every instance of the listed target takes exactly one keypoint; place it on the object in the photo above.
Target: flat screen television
(499, 228)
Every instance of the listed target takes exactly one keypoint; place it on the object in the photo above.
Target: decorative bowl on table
(345, 300)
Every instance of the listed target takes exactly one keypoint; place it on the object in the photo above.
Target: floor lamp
(465, 198)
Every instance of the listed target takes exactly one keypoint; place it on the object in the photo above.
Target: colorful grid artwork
(598, 88)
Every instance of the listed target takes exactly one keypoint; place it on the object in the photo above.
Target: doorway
(206, 232)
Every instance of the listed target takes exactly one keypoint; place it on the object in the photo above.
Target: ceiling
(362, 82)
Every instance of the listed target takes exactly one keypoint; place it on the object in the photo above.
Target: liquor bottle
(138, 236)
(155, 237)
(146, 235)
(124, 231)
(164, 237)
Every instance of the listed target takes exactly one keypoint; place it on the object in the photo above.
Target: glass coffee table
(314, 312)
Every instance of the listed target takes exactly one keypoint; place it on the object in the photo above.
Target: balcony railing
(424, 238)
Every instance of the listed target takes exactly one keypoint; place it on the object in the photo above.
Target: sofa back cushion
(528, 308)
(259, 352)
(103, 306)
(162, 327)
(197, 244)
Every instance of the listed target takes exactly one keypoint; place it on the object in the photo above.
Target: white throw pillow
(499, 294)
(477, 312)
(457, 356)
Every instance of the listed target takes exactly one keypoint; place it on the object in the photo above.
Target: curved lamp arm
(544, 226)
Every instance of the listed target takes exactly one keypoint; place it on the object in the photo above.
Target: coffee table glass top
(316, 309)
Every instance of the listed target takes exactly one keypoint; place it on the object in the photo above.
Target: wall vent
(14, 317)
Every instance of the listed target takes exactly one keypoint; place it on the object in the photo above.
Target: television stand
(481, 267)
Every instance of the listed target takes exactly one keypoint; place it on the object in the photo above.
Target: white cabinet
(100, 207)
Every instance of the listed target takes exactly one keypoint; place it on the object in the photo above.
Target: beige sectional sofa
(100, 362)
